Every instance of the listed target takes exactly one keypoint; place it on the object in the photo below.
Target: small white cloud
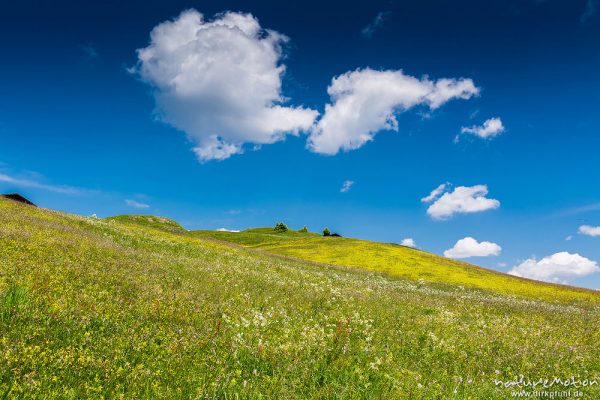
(502, 264)
(346, 186)
(435, 193)
(366, 101)
(137, 204)
(589, 230)
(490, 128)
(227, 230)
(220, 82)
(408, 242)
(469, 247)
(569, 238)
(558, 268)
(234, 212)
(377, 23)
(462, 200)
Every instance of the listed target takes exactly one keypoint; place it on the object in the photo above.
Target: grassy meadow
(399, 261)
(138, 307)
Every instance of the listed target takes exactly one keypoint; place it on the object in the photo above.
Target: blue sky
(90, 126)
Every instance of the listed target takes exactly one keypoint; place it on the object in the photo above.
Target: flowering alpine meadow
(138, 307)
(400, 261)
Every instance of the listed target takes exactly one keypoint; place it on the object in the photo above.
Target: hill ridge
(328, 250)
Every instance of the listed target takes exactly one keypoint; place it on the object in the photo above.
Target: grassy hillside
(95, 308)
(149, 221)
(399, 261)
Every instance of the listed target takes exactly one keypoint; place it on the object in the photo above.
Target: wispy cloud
(136, 204)
(591, 9)
(346, 186)
(90, 51)
(34, 184)
(377, 23)
(586, 208)
(435, 193)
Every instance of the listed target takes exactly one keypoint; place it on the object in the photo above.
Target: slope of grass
(149, 221)
(95, 308)
(398, 261)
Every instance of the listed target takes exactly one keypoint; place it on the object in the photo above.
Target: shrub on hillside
(304, 229)
(280, 227)
(326, 232)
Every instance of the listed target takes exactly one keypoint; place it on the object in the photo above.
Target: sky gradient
(84, 128)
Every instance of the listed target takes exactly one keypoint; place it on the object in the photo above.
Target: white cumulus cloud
(346, 186)
(408, 242)
(558, 268)
(136, 204)
(589, 230)
(490, 128)
(470, 247)
(461, 200)
(227, 230)
(219, 81)
(366, 101)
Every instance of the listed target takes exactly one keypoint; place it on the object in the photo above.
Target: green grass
(149, 221)
(114, 308)
(399, 261)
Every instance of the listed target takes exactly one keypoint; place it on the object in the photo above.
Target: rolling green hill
(399, 261)
(149, 221)
(135, 308)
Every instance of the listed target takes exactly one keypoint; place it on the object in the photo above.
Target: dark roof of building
(19, 198)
